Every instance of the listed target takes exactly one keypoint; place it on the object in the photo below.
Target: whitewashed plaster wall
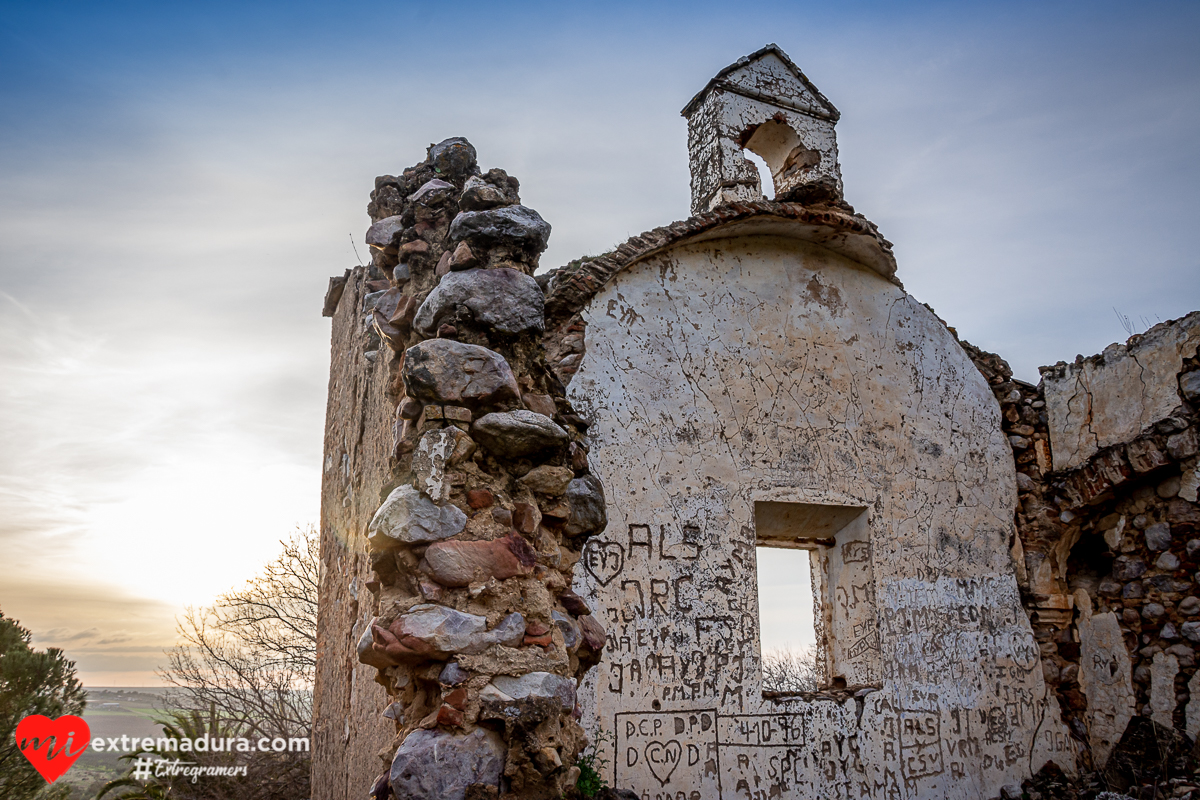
(1112, 397)
(732, 371)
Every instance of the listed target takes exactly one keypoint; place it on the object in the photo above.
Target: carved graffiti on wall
(747, 393)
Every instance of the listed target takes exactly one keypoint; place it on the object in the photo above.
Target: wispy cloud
(60, 635)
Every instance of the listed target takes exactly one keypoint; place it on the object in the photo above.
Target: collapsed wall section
(479, 507)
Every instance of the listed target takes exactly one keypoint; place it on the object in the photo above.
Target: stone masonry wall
(348, 732)
(486, 502)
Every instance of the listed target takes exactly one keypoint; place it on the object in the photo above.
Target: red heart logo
(36, 734)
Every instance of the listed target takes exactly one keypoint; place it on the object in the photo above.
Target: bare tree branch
(790, 670)
(248, 661)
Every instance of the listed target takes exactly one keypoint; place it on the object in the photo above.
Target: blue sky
(178, 181)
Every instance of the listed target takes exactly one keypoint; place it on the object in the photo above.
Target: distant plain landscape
(113, 712)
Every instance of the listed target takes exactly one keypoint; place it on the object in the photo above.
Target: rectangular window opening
(816, 597)
(786, 629)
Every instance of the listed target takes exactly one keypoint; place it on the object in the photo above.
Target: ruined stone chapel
(545, 493)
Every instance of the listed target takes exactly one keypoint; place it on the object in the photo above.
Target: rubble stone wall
(722, 369)
(723, 375)
(452, 541)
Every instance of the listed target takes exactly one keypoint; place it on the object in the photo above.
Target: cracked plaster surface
(733, 371)
(1090, 405)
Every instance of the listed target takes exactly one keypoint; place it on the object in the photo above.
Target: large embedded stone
(1158, 536)
(387, 303)
(439, 765)
(585, 497)
(479, 194)
(371, 656)
(446, 372)
(461, 563)
(509, 632)
(538, 684)
(594, 636)
(452, 674)
(398, 648)
(433, 192)
(454, 157)
(1189, 385)
(503, 299)
(438, 632)
(1167, 583)
(573, 603)
(1183, 445)
(1167, 561)
(547, 479)
(443, 629)
(514, 434)
(490, 694)
(409, 517)
(569, 628)
(371, 299)
(392, 317)
(514, 225)
(383, 234)
(1128, 569)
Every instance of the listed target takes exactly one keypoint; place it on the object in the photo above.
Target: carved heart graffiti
(663, 759)
(604, 560)
(47, 743)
